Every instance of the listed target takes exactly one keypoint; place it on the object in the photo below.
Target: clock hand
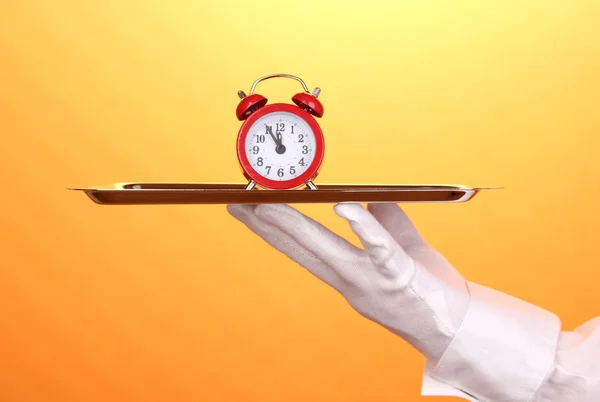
(280, 149)
(270, 132)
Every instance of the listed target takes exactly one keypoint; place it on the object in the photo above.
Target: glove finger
(348, 261)
(284, 244)
(384, 251)
(398, 224)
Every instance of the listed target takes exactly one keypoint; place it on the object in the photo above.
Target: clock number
(280, 172)
(301, 163)
(301, 136)
(268, 170)
(255, 149)
(279, 128)
(260, 139)
(259, 161)
(305, 149)
(292, 129)
(269, 130)
(292, 169)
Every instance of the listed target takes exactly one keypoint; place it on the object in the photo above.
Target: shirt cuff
(434, 387)
(503, 351)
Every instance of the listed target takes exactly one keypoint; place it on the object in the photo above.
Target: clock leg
(250, 185)
(311, 185)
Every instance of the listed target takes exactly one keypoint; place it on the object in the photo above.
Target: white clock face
(280, 146)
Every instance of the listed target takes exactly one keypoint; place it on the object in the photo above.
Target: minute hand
(270, 132)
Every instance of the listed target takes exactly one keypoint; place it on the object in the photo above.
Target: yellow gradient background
(183, 303)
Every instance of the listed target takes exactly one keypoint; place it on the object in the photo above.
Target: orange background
(183, 303)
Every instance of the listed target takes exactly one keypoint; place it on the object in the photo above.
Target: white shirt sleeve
(508, 350)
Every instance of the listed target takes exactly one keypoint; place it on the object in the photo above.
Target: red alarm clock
(280, 146)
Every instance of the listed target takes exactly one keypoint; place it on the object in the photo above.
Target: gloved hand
(398, 280)
(480, 344)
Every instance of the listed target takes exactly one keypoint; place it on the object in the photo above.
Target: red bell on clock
(280, 146)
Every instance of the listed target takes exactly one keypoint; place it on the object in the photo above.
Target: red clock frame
(252, 174)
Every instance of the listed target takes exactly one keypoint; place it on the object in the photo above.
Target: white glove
(480, 344)
(397, 281)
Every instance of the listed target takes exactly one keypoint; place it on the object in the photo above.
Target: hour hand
(280, 149)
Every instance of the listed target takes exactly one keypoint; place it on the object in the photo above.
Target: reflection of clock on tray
(280, 149)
